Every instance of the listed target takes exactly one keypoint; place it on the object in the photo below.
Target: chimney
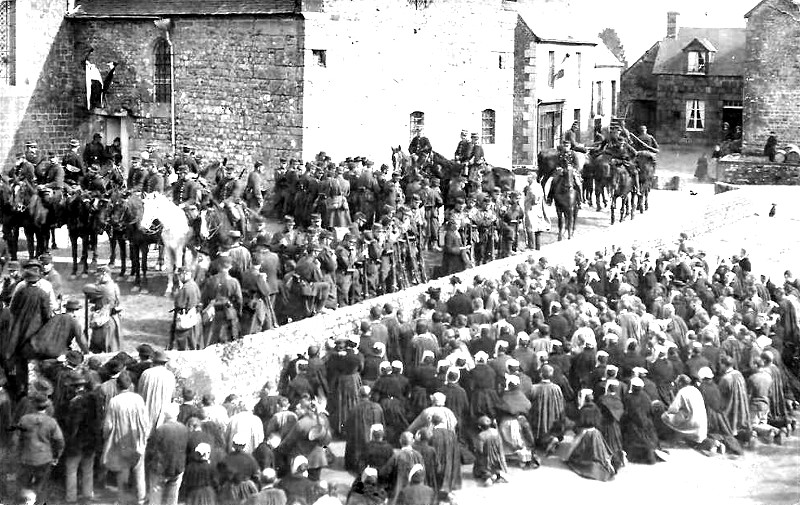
(672, 24)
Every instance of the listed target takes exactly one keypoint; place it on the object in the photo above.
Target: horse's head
(547, 161)
(151, 210)
(646, 162)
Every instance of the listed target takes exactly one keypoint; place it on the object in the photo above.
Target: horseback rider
(621, 152)
(51, 182)
(572, 136)
(420, 147)
(567, 163)
(476, 163)
(464, 149)
(74, 170)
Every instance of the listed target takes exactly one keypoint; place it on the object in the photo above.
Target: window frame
(551, 61)
(416, 120)
(697, 62)
(320, 57)
(488, 132)
(694, 108)
(162, 72)
(8, 42)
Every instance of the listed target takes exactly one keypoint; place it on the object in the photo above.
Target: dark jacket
(166, 450)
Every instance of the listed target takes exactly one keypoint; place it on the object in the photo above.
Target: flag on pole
(562, 68)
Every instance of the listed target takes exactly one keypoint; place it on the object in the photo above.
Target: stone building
(688, 84)
(772, 74)
(249, 79)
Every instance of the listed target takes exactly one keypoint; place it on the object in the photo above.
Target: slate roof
(729, 58)
(159, 8)
(552, 28)
(605, 58)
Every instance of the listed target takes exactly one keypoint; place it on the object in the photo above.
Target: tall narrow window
(163, 72)
(320, 57)
(613, 98)
(7, 47)
(576, 118)
(579, 57)
(551, 76)
(600, 108)
(416, 122)
(487, 126)
(695, 115)
(697, 62)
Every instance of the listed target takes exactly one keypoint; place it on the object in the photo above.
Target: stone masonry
(772, 75)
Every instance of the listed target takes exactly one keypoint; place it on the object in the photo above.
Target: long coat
(536, 218)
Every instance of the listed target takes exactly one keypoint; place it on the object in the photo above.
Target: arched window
(416, 122)
(487, 126)
(163, 72)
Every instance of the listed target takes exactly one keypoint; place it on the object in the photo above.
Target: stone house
(772, 74)
(252, 80)
(688, 84)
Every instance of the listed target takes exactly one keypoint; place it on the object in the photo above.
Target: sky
(640, 23)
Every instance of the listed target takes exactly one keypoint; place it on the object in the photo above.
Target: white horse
(175, 231)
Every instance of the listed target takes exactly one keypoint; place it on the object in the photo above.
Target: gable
(776, 3)
(700, 45)
(728, 42)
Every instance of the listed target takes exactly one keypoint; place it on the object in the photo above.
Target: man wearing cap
(621, 152)
(464, 149)
(95, 151)
(281, 188)
(165, 459)
(455, 255)
(240, 256)
(476, 163)
(41, 444)
(185, 158)
(81, 429)
(74, 169)
(254, 188)
(420, 147)
(157, 385)
(187, 305)
(308, 437)
(31, 307)
(288, 242)
(347, 271)
(511, 217)
(222, 297)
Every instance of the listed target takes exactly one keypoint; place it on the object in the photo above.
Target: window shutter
(689, 104)
(701, 116)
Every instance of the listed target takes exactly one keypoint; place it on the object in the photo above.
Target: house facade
(772, 74)
(254, 80)
(688, 84)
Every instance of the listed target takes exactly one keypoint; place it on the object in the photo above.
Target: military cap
(235, 234)
(74, 143)
(31, 143)
(73, 304)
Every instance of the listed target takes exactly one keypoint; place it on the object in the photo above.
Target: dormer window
(698, 62)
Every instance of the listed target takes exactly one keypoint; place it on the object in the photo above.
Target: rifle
(393, 269)
(421, 257)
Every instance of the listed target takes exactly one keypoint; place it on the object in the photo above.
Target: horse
(566, 200)
(601, 174)
(115, 229)
(84, 223)
(646, 162)
(400, 160)
(175, 232)
(216, 224)
(587, 181)
(546, 165)
(497, 177)
(34, 218)
(621, 187)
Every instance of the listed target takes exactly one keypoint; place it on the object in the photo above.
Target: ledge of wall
(758, 172)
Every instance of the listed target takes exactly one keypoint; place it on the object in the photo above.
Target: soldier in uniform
(621, 152)
(464, 149)
(431, 200)
(335, 193)
(367, 193)
(476, 163)
(287, 243)
(455, 254)
(185, 158)
(153, 181)
(95, 151)
(241, 258)
(327, 265)
(254, 189)
(510, 221)
(566, 165)
(281, 187)
(420, 147)
(222, 296)
(347, 271)
(292, 178)
(571, 135)
(380, 261)
(137, 173)
(485, 220)
(74, 170)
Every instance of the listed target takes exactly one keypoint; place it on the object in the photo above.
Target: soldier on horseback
(420, 147)
(476, 163)
(566, 168)
(621, 151)
(464, 149)
(74, 170)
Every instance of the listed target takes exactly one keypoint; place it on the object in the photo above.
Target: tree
(611, 39)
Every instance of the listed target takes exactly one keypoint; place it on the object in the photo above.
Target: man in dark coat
(165, 459)
(397, 470)
(41, 444)
(448, 471)
(81, 430)
(455, 255)
(30, 309)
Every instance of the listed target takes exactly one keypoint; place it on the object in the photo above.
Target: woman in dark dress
(344, 370)
(590, 456)
(200, 479)
(612, 408)
(639, 435)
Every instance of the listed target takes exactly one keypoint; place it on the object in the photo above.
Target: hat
(639, 370)
(384, 365)
(397, 365)
(602, 353)
(13, 265)
(74, 143)
(32, 263)
(288, 219)
(481, 357)
(240, 438)
(415, 470)
(426, 354)
(705, 373)
(370, 473)
(46, 259)
(160, 357)
(473, 135)
(40, 401)
(74, 358)
(484, 422)
(73, 304)
(636, 381)
(31, 143)
(145, 350)
(203, 449)
(512, 380)
(763, 341)
(375, 428)
(438, 399)
(235, 234)
(299, 462)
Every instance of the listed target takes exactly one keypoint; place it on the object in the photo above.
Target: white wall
(379, 71)
(607, 75)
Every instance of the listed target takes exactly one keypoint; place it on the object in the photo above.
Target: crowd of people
(633, 352)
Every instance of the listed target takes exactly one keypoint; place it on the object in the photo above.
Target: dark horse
(24, 208)
(601, 175)
(646, 162)
(85, 215)
(115, 229)
(126, 214)
(566, 199)
(621, 185)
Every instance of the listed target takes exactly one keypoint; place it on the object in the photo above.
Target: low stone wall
(761, 172)
(242, 367)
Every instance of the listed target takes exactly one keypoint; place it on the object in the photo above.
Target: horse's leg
(171, 263)
(143, 250)
(87, 244)
(53, 244)
(73, 241)
(30, 239)
(11, 235)
(122, 254)
(93, 243)
(613, 207)
(560, 223)
(112, 245)
(135, 266)
(160, 261)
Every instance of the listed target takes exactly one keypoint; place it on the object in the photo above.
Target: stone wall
(758, 172)
(244, 366)
(772, 70)
(638, 84)
(673, 93)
